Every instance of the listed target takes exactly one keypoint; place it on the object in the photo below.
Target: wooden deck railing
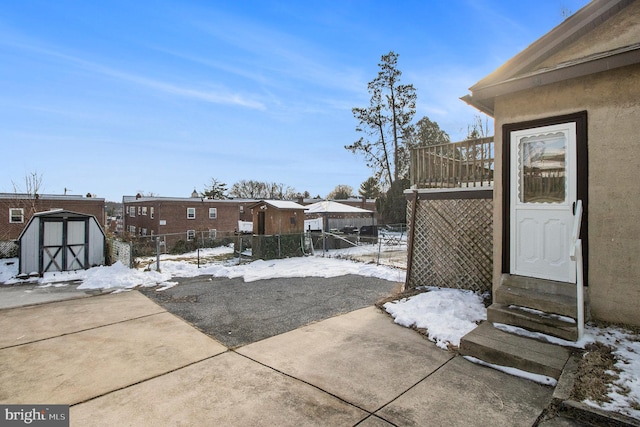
(458, 164)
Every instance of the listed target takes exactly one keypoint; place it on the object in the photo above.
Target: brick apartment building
(16, 209)
(149, 216)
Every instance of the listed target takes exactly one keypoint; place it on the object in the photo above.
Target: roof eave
(572, 28)
(483, 99)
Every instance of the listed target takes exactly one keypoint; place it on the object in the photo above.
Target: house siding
(612, 102)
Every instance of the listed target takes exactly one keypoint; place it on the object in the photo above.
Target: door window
(542, 168)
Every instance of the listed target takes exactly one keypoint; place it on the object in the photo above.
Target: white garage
(60, 240)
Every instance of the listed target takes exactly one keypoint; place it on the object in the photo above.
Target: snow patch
(446, 314)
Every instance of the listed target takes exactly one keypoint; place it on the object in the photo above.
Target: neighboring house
(149, 216)
(16, 209)
(566, 113)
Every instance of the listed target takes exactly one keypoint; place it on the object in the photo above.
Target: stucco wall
(612, 102)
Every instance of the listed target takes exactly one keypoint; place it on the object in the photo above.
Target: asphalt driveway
(237, 313)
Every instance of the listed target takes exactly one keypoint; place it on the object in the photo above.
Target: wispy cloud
(280, 56)
(217, 95)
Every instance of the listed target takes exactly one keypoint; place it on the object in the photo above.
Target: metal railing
(461, 164)
(575, 252)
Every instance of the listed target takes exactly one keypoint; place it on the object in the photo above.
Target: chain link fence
(9, 249)
(386, 245)
(381, 244)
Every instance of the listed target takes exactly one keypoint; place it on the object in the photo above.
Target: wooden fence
(458, 164)
(452, 240)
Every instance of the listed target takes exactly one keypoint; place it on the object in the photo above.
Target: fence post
(410, 237)
(158, 254)
(279, 249)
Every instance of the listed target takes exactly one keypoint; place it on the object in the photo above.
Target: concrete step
(541, 285)
(558, 298)
(501, 348)
(538, 322)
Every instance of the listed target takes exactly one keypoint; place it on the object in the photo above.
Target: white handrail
(575, 252)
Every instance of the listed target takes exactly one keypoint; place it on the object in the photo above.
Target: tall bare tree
(386, 122)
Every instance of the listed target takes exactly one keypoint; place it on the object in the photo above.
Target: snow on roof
(283, 204)
(329, 206)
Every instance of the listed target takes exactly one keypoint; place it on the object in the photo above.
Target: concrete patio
(121, 359)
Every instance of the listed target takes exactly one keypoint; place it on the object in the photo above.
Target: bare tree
(30, 192)
(386, 122)
(341, 192)
(250, 189)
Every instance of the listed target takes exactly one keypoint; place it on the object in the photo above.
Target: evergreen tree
(386, 122)
(369, 189)
(215, 190)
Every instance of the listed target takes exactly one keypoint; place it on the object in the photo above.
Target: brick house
(16, 209)
(148, 216)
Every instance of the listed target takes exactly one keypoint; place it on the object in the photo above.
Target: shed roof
(329, 206)
(599, 37)
(55, 213)
(59, 213)
(281, 204)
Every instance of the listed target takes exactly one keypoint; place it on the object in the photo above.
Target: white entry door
(543, 193)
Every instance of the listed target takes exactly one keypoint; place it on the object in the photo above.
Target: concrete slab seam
(83, 330)
(37, 304)
(375, 416)
(148, 379)
(412, 387)
(304, 382)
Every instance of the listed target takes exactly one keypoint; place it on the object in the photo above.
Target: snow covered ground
(445, 314)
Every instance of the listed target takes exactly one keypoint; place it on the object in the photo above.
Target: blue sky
(116, 97)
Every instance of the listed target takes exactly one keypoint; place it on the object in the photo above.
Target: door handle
(573, 208)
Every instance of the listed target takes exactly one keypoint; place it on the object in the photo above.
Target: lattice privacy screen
(453, 244)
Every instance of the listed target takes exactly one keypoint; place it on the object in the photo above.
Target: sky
(160, 97)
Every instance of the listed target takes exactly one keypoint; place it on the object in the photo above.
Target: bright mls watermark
(34, 415)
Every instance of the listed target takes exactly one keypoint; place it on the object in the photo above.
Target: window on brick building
(212, 233)
(151, 212)
(132, 211)
(191, 234)
(191, 213)
(16, 215)
(144, 210)
(213, 213)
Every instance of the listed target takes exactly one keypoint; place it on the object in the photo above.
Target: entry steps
(536, 305)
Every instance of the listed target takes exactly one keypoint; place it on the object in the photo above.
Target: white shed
(336, 216)
(61, 240)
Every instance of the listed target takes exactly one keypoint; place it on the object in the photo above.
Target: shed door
(543, 192)
(52, 246)
(64, 245)
(76, 245)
